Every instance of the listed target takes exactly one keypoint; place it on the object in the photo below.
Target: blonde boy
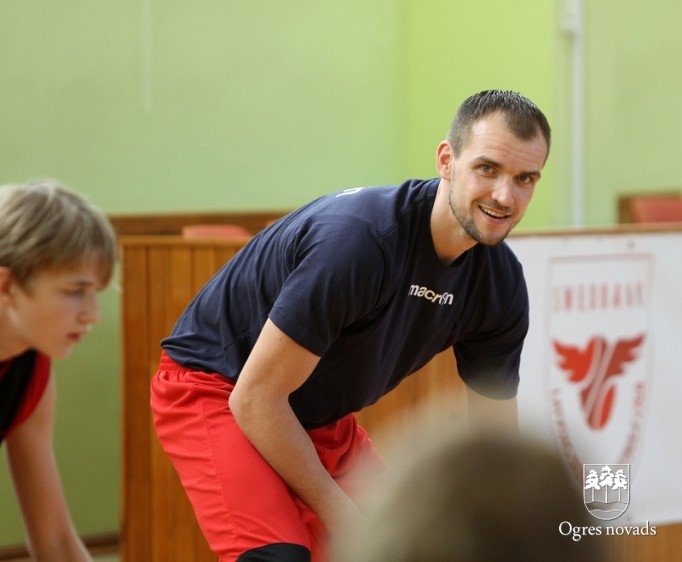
(56, 252)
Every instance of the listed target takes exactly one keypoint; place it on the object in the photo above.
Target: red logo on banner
(599, 351)
(595, 369)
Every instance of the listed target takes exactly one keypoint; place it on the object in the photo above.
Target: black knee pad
(280, 552)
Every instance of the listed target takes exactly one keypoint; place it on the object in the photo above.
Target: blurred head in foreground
(484, 497)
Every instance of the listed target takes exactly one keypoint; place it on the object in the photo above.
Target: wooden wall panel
(136, 492)
(666, 545)
(159, 277)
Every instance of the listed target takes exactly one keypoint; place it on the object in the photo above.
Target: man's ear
(444, 160)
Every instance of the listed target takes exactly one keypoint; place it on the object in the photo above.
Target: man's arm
(260, 403)
(51, 535)
(487, 412)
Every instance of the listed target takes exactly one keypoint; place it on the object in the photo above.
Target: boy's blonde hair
(44, 225)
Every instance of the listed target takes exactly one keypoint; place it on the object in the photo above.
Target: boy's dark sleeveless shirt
(16, 377)
(354, 278)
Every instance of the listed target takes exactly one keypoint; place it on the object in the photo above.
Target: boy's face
(55, 310)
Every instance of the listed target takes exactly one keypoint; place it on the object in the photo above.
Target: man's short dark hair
(523, 117)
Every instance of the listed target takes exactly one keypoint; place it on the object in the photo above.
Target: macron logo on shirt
(429, 295)
(351, 191)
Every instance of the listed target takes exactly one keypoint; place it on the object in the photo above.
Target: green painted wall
(454, 49)
(634, 113)
(172, 105)
(232, 104)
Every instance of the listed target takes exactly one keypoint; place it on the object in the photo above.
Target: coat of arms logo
(606, 489)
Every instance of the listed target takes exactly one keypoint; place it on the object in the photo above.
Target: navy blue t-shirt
(354, 278)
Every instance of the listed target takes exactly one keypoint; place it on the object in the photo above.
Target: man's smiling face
(493, 179)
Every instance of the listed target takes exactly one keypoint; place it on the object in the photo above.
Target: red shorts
(239, 500)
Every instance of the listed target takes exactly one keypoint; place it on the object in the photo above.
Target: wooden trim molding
(107, 543)
(172, 223)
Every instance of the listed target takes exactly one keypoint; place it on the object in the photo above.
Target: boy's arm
(51, 535)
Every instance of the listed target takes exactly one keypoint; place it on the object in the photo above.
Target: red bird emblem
(594, 369)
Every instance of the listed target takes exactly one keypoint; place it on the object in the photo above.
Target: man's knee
(281, 552)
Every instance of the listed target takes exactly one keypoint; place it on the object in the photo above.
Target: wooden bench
(650, 208)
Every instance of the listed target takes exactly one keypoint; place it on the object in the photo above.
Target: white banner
(601, 371)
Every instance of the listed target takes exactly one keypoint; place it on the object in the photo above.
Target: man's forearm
(285, 445)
